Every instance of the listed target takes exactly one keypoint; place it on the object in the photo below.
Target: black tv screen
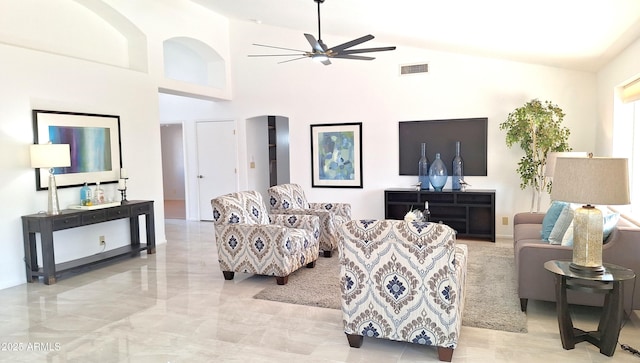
(441, 137)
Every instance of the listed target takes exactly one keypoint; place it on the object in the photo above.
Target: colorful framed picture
(336, 155)
(94, 142)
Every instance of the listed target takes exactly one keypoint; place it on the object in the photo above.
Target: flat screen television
(441, 137)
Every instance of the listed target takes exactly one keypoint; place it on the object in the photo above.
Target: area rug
(491, 297)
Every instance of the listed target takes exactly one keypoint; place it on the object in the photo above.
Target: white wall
(373, 93)
(74, 80)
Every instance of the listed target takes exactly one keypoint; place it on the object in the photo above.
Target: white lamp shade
(50, 155)
(553, 156)
(596, 181)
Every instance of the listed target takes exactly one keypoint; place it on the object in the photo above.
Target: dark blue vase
(438, 174)
(457, 169)
(423, 168)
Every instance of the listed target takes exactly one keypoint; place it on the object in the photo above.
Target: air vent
(414, 68)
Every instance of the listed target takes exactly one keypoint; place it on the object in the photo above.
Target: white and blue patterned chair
(402, 281)
(252, 241)
(290, 198)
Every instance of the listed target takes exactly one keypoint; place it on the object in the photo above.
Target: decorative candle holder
(122, 187)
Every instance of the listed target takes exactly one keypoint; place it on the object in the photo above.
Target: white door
(217, 163)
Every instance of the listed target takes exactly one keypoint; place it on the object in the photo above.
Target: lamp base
(587, 270)
(53, 206)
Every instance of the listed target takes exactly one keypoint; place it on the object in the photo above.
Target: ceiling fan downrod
(319, 33)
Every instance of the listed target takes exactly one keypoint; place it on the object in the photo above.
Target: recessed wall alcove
(89, 30)
(192, 61)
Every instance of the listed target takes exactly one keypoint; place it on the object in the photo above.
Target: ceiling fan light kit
(321, 53)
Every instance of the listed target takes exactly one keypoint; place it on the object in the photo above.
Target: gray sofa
(622, 248)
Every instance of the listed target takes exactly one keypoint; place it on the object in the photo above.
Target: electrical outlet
(102, 240)
(505, 221)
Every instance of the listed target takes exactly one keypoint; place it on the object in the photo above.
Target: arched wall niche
(83, 29)
(190, 60)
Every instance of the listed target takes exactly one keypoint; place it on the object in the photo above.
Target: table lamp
(590, 181)
(51, 156)
(550, 166)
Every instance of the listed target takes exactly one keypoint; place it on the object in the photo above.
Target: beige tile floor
(175, 306)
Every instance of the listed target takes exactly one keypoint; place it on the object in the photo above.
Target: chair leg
(355, 341)
(282, 280)
(445, 354)
(327, 253)
(311, 264)
(228, 275)
(523, 305)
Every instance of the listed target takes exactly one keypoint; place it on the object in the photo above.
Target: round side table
(608, 283)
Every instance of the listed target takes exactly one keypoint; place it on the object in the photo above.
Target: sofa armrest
(528, 218)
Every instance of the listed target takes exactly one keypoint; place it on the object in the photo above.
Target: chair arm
(307, 222)
(528, 218)
(340, 209)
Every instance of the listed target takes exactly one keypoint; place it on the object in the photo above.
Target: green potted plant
(537, 128)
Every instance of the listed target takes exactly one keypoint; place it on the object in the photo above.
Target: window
(627, 137)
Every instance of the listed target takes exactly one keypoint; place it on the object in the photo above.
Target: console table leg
(151, 233)
(48, 256)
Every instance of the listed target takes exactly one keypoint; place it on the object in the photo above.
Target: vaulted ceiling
(577, 34)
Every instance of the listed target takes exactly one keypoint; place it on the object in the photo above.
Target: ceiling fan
(321, 53)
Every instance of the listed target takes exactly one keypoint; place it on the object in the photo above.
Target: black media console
(472, 213)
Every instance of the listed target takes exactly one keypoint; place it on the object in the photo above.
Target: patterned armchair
(252, 241)
(290, 198)
(402, 281)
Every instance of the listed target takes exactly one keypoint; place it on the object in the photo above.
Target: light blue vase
(438, 174)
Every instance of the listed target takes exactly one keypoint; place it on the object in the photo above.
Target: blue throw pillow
(550, 219)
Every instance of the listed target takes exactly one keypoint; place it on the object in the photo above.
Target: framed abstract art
(336, 155)
(94, 142)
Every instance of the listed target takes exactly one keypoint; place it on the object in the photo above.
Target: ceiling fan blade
(366, 50)
(291, 60)
(315, 45)
(348, 56)
(271, 46)
(276, 55)
(343, 46)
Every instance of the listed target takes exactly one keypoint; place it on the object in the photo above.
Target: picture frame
(94, 139)
(336, 155)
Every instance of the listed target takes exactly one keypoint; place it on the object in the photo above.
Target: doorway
(172, 149)
(268, 152)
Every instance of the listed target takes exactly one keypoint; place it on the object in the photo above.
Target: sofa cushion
(561, 226)
(567, 239)
(550, 218)
(609, 223)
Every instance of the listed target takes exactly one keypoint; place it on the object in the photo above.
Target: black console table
(472, 213)
(71, 218)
